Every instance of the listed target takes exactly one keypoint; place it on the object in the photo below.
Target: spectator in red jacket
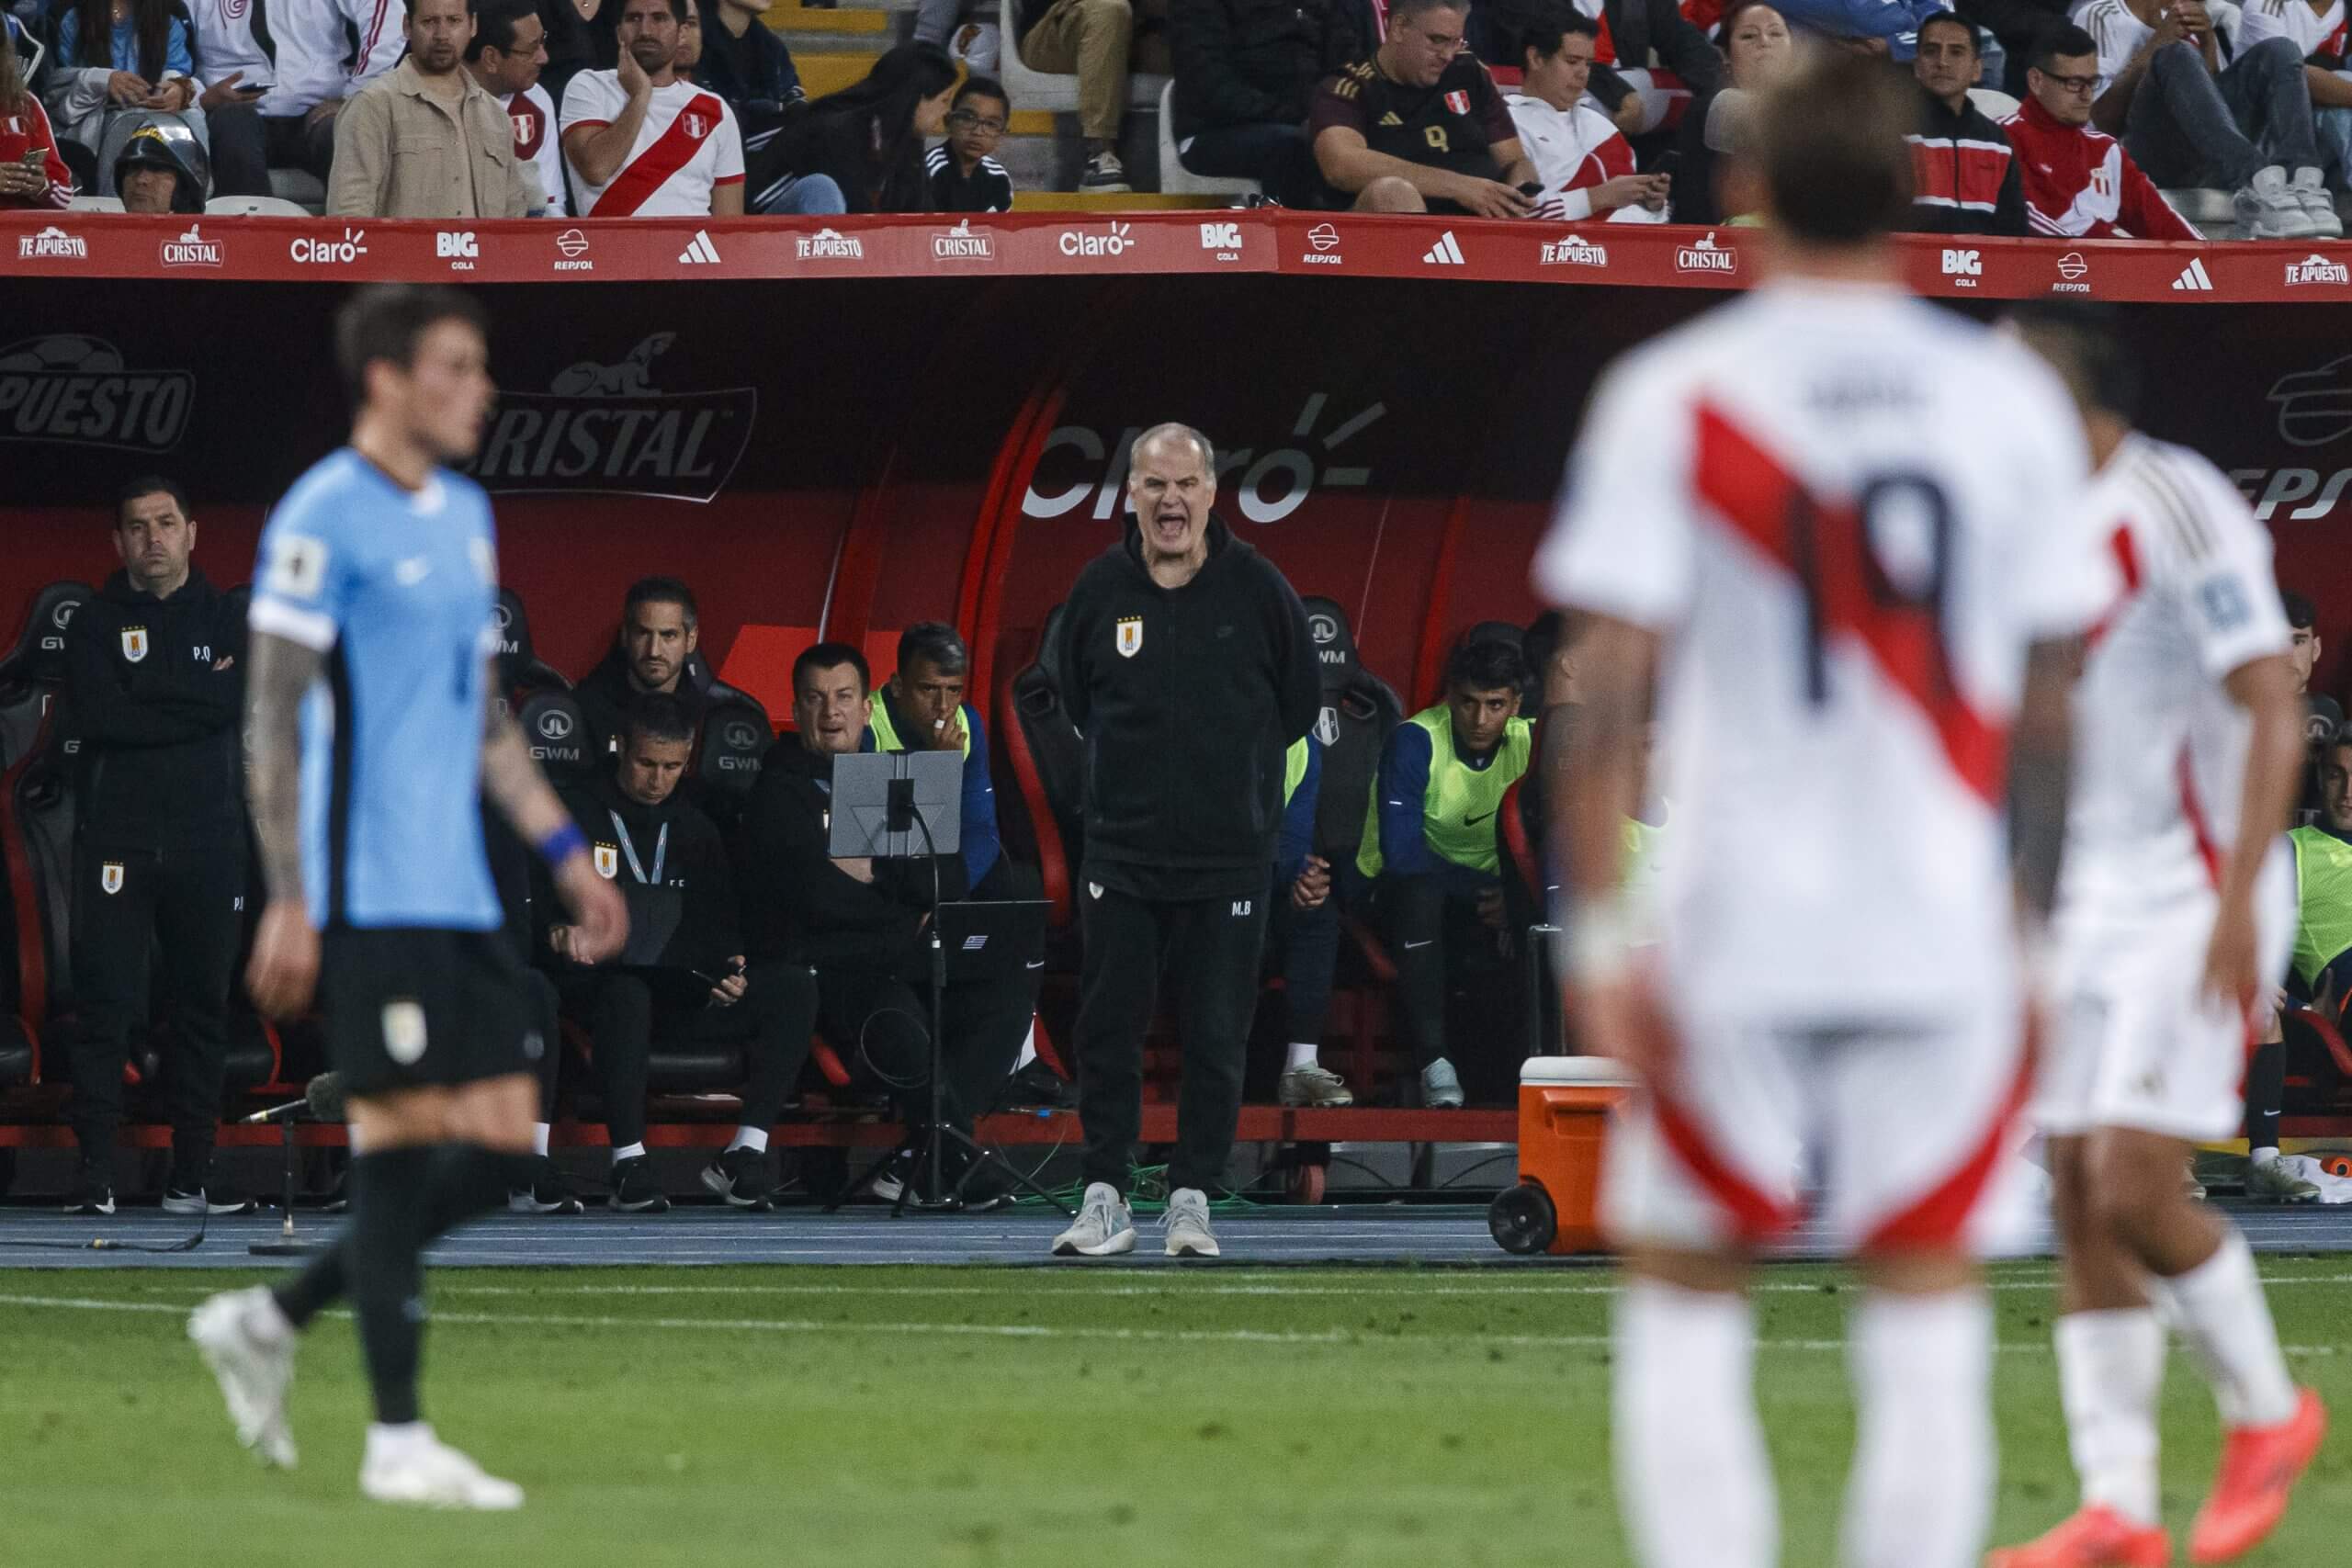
(1963, 176)
(2079, 183)
(31, 174)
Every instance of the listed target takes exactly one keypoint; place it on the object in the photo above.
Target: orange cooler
(1563, 1105)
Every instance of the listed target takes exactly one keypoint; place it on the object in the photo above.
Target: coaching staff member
(152, 696)
(1187, 665)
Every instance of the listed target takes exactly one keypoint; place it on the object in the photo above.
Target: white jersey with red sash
(532, 114)
(688, 146)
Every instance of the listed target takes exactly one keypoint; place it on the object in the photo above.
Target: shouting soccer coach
(1187, 666)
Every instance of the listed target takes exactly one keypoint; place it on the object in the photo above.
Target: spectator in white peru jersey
(2190, 119)
(641, 142)
(509, 50)
(1583, 161)
(2317, 29)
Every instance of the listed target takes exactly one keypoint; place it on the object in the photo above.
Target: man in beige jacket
(425, 139)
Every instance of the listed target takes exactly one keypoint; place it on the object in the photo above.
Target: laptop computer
(986, 939)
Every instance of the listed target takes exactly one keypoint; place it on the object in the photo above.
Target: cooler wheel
(1522, 1219)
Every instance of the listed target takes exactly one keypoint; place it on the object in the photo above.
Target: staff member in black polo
(152, 698)
(1188, 667)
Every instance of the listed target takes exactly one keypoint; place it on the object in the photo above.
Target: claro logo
(330, 253)
(1079, 466)
(1116, 241)
(75, 391)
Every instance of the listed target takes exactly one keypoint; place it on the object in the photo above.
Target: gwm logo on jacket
(1130, 635)
(134, 643)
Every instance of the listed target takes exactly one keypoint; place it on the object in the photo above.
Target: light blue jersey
(397, 589)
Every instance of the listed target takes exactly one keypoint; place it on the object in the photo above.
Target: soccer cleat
(1186, 1224)
(2310, 190)
(2282, 1180)
(1105, 1226)
(416, 1467)
(740, 1177)
(1105, 176)
(91, 1194)
(1313, 1085)
(548, 1194)
(634, 1190)
(1440, 1089)
(2259, 1467)
(250, 1347)
(2097, 1536)
(206, 1199)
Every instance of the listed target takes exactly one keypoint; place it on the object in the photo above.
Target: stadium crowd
(2035, 118)
(750, 941)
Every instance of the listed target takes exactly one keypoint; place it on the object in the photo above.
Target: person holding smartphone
(31, 174)
(235, 72)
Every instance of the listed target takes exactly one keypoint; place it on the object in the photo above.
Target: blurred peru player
(374, 734)
(1815, 527)
(2175, 917)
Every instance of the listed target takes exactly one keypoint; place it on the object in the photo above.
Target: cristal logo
(1117, 241)
(1078, 466)
(607, 428)
(960, 243)
(192, 249)
(1706, 256)
(330, 253)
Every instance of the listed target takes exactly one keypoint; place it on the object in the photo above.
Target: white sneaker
(248, 1342)
(2310, 190)
(2268, 209)
(1440, 1088)
(1105, 176)
(1312, 1085)
(1187, 1225)
(409, 1464)
(1105, 1227)
(2283, 1180)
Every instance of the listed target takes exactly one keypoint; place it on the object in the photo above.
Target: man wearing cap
(149, 177)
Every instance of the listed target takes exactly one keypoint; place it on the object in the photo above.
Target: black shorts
(417, 1008)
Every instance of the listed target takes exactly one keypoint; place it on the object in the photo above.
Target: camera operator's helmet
(164, 141)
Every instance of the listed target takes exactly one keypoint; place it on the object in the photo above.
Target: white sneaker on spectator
(409, 1464)
(1313, 1085)
(1105, 1226)
(1440, 1088)
(1105, 176)
(1186, 1224)
(248, 1342)
(2309, 189)
(2268, 209)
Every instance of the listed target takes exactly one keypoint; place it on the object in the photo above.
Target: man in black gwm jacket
(1186, 664)
(153, 692)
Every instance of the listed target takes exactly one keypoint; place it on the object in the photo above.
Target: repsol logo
(2298, 494)
(75, 391)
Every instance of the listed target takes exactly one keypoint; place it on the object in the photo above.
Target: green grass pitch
(1032, 1418)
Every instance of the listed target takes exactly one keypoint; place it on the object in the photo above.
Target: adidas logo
(1446, 252)
(2193, 278)
(702, 252)
(1390, 119)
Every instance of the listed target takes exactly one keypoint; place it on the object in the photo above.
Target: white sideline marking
(1036, 1330)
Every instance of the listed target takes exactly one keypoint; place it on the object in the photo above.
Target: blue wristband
(562, 844)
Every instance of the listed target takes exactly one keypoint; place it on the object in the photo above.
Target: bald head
(1171, 483)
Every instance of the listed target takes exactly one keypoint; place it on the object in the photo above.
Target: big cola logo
(1079, 466)
(606, 430)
